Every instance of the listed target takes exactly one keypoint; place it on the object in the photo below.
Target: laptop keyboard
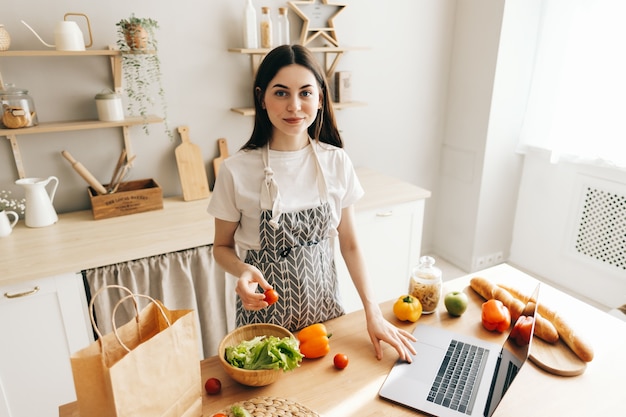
(454, 384)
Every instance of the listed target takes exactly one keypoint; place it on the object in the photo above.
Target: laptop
(455, 375)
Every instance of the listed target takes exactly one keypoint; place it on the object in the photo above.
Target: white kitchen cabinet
(42, 322)
(390, 238)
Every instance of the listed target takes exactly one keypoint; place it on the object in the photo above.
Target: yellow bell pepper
(407, 308)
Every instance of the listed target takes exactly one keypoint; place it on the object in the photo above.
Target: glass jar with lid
(18, 108)
(425, 284)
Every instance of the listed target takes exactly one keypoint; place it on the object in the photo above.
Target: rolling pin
(78, 167)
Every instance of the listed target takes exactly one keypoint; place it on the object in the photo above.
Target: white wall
(402, 76)
(490, 68)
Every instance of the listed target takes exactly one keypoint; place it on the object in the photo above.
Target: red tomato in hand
(340, 360)
(271, 296)
(220, 415)
(213, 386)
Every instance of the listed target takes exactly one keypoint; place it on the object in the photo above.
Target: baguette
(544, 329)
(579, 346)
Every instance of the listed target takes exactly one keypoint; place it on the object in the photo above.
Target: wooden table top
(354, 390)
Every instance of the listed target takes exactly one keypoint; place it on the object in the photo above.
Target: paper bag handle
(133, 296)
(93, 299)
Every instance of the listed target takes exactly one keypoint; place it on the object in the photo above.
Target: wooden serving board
(191, 169)
(557, 359)
(222, 145)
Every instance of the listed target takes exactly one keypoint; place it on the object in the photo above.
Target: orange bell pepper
(314, 341)
(495, 316)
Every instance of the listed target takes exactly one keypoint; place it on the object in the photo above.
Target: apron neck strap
(270, 195)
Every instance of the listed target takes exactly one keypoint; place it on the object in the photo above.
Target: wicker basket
(5, 39)
(253, 378)
(272, 407)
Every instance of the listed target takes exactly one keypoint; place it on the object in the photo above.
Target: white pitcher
(6, 225)
(39, 209)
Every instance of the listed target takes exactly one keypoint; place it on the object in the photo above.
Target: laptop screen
(514, 353)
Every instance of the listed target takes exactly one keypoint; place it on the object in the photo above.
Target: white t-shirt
(236, 195)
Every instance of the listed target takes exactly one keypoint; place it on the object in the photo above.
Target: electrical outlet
(480, 262)
(486, 261)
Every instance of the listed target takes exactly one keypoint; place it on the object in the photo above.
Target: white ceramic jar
(109, 106)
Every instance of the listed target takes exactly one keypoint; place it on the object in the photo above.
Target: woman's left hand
(381, 330)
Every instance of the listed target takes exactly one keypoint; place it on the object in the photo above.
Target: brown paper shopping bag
(148, 367)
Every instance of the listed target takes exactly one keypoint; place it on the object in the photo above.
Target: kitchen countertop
(354, 390)
(77, 242)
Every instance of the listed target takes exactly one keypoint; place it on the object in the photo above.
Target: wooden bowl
(253, 378)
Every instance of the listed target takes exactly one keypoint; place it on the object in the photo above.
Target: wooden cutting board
(222, 146)
(191, 169)
(557, 359)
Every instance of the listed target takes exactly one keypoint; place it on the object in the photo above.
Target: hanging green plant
(141, 67)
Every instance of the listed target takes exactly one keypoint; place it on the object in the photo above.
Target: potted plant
(141, 66)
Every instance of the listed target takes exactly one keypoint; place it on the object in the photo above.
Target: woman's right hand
(246, 288)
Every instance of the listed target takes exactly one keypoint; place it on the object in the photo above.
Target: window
(577, 100)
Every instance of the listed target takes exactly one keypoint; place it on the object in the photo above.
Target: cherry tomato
(271, 296)
(340, 360)
(220, 415)
(213, 386)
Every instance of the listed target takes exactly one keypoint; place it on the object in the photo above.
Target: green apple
(456, 302)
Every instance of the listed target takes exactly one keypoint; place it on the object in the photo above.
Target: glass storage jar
(18, 108)
(425, 284)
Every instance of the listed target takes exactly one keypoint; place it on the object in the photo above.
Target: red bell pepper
(522, 329)
(495, 316)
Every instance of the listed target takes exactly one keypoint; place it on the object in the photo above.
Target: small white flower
(11, 204)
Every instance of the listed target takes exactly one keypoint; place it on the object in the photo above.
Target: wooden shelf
(115, 56)
(329, 49)
(249, 111)
(332, 55)
(52, 127)
(52, 52)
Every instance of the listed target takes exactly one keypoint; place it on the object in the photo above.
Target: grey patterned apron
(296, 258)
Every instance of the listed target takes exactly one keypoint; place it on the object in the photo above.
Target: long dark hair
(324, 128)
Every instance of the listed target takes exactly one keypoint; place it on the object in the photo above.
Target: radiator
(570, 228)
(601, 227)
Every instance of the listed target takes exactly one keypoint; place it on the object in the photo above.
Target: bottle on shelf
(250, 29)
(283, 27)
(266, 28)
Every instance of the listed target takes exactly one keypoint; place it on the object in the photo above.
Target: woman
(281, 200)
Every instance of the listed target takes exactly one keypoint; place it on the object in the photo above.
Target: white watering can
(67, 34)
(39, 209)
